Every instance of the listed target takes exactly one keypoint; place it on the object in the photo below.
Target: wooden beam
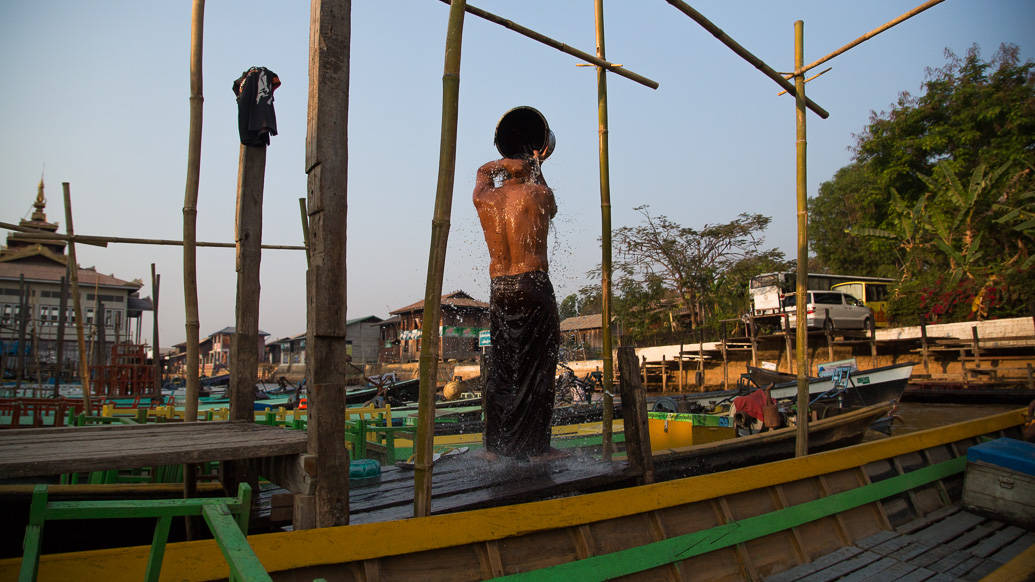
(634, 416)
(326, 165)
(80, 321)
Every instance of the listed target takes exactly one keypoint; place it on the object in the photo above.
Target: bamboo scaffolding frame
(192, 322)
(798, 70)
(598, 61)
(73, 279)
(436, 262)
(743, 53)
(819, 74)
(103, 241)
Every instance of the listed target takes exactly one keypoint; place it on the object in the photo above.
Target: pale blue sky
(97, 93)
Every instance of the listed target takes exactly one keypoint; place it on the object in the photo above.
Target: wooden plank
(895, 572)
(948, 528)
(877, 539)
(816, 565)
(878, 568)
(965, 566)
(1014, 549)
(843, 568)
(918, 575)
(997, 541)
(634, 414)
(925, 521)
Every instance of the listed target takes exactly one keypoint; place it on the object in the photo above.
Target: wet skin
(515, 217)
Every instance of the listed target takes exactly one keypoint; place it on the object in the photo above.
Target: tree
(971, 113)
(686, 260)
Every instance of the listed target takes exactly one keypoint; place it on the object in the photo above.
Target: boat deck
(948, 544)
(467, 482)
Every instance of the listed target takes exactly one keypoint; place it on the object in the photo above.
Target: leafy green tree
(971, 113)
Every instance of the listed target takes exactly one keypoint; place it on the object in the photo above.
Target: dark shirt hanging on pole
(256, 119)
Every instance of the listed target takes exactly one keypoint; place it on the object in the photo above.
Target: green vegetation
(940, 194)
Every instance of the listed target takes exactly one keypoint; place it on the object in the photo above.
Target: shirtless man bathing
(519, 386)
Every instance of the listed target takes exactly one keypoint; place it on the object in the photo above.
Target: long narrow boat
(743, 524)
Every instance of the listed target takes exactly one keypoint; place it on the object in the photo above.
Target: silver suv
(829, 309)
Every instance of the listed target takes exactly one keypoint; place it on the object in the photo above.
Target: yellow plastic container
(670, 430)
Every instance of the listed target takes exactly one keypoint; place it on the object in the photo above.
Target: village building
(582, 336)
(461, 319)
(213, 353)
(362, 339)
(31, 273)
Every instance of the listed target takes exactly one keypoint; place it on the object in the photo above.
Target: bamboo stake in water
(437, 261)
(73, 278)
(156, 280)
(190, 213)
(605, 238)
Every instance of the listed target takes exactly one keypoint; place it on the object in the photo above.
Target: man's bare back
(515, 217)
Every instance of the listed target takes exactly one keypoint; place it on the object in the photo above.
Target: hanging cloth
(256, 119)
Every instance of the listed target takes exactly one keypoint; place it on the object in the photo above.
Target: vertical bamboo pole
(23, 323)
(326, 166)
(62, 316)
(190, 213)
(801, 447)
(73, 277)
(605, 236)
(923, 348)
(436, 261)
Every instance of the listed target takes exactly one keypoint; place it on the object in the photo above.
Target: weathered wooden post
(156, 280)
(327, 173)
(923, 347)
(634, 416)
(680, 381)
(873, 343)
(828, 330)
(725, 360)
(975, 346)
(62, 316)
(244, 356)
(753, 334)
(700, 360)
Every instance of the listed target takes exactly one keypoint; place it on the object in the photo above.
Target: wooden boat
(860, 388)
(743, 524)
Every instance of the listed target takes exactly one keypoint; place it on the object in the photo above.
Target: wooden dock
(467, 482)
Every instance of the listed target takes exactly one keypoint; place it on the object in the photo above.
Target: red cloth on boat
(754, 404)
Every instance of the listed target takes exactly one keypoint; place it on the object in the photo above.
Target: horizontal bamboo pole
(868, 35)
(35, 234)
(823, 72)
(616, 69)
(744, 53)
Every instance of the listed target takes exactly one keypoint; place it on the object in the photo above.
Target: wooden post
(829, 332)
(23, 324)
(873, 343)
(100, 355)
(429, 352)
(725, 361)
(244, 356)
(664, 373)
(192, 322)
(62, 315)
(634, 415)
(73, 277)
(923, 347)
(754, 340)
(1031, 377)
(156, 280)
(975, 346)
(327, 173)
(802, 443)
(680, 379)
(700, 360)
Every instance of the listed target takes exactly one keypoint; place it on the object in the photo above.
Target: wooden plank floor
(467, 482)
(949, 544)
(37, 452)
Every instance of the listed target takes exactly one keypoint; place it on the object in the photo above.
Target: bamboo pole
(190, 213)
(156, 281)
(73, 278)
(23, 323)
(607, 345)
(598, 61)
(436, 262)
(744, 53)
(103, 241)
(800, 70)
(801, 446)
(305, 233)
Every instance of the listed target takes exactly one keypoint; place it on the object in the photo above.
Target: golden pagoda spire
(40, 204)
